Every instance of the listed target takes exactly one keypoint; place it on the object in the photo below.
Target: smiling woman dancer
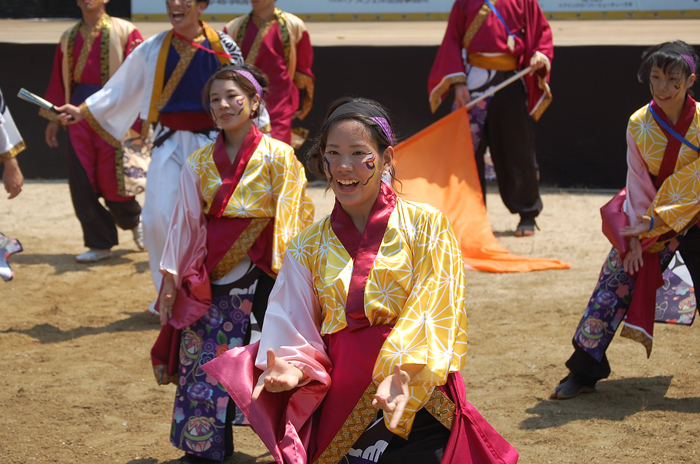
(241, 199)
(365, 332)
(662, 209)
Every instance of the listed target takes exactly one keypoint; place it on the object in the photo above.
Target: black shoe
(526, 227)
(570, 387)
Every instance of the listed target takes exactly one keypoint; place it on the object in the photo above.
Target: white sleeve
(293, 323)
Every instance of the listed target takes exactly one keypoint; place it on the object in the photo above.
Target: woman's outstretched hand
(167, 298)
(633, 259)
(639, 229)
(392, 394)
(278, 377)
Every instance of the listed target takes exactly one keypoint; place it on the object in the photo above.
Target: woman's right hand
(168, 292)
(278, 377)
(633, 259)
(69, 114)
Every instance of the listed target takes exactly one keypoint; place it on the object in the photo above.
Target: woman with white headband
(365, 332)
(241, 199)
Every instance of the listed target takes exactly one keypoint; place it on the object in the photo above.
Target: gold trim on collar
(103, 26)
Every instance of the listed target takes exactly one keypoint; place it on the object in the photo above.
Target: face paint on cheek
(328, 167)
(242, 104)
(370, 163)
(678, 87)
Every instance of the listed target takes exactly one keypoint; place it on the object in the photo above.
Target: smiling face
(184, 14)
(354, 166)
(669, 89)
(230, 106)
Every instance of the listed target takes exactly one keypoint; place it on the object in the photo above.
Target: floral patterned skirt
(609, 303)
(199, 415)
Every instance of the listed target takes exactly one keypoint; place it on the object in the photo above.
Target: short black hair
(667, 56)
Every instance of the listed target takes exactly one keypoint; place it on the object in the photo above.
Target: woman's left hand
(639, 229)
(633, 260)
(392, 395)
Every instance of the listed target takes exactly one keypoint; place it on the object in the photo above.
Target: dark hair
(667, 56)
(203, 1)
(314, 157)
(227, 72)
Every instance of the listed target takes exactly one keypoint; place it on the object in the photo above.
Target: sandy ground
(76, 384)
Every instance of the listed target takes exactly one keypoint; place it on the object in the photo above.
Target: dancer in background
(162, 82)
(486, 43)
(661, 206)
(87, 55)
(241, 199)
(11, 144)
(365, 332)
(278, 44)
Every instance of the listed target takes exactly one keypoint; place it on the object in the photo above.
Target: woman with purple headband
(241, 198)
(658, 218)
(365, 332)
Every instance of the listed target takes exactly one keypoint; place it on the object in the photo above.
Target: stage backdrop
(580, 138)
(56, 9)
(344, 10)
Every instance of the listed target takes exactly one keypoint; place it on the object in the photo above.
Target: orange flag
(436, 166)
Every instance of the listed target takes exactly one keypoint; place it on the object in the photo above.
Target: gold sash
(496, 63)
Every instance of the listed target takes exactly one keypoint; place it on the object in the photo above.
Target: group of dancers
(340, 340)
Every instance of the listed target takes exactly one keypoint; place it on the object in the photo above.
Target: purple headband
(365, 109)
(691, 62)
(386, 128)
(252, 80)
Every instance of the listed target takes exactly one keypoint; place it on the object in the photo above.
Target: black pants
(584, 366)
(98, 223)
(509, 134)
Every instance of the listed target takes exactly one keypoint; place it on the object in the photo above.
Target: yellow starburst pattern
(416, 284)
(273, 185)
(676, 201)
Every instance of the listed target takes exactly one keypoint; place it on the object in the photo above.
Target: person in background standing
(87, 55)
(278, 43)
(486, 42)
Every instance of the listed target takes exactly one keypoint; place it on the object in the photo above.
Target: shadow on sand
(47, 333)
(64, 262)
(615, 400)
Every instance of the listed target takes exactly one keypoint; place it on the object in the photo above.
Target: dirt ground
(76, 384)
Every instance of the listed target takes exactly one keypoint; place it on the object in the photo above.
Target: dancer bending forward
(365, 332)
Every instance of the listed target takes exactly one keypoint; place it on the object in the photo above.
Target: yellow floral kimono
(676, 201)
(416, 284)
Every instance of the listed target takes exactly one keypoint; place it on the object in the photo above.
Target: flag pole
(493, 90)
